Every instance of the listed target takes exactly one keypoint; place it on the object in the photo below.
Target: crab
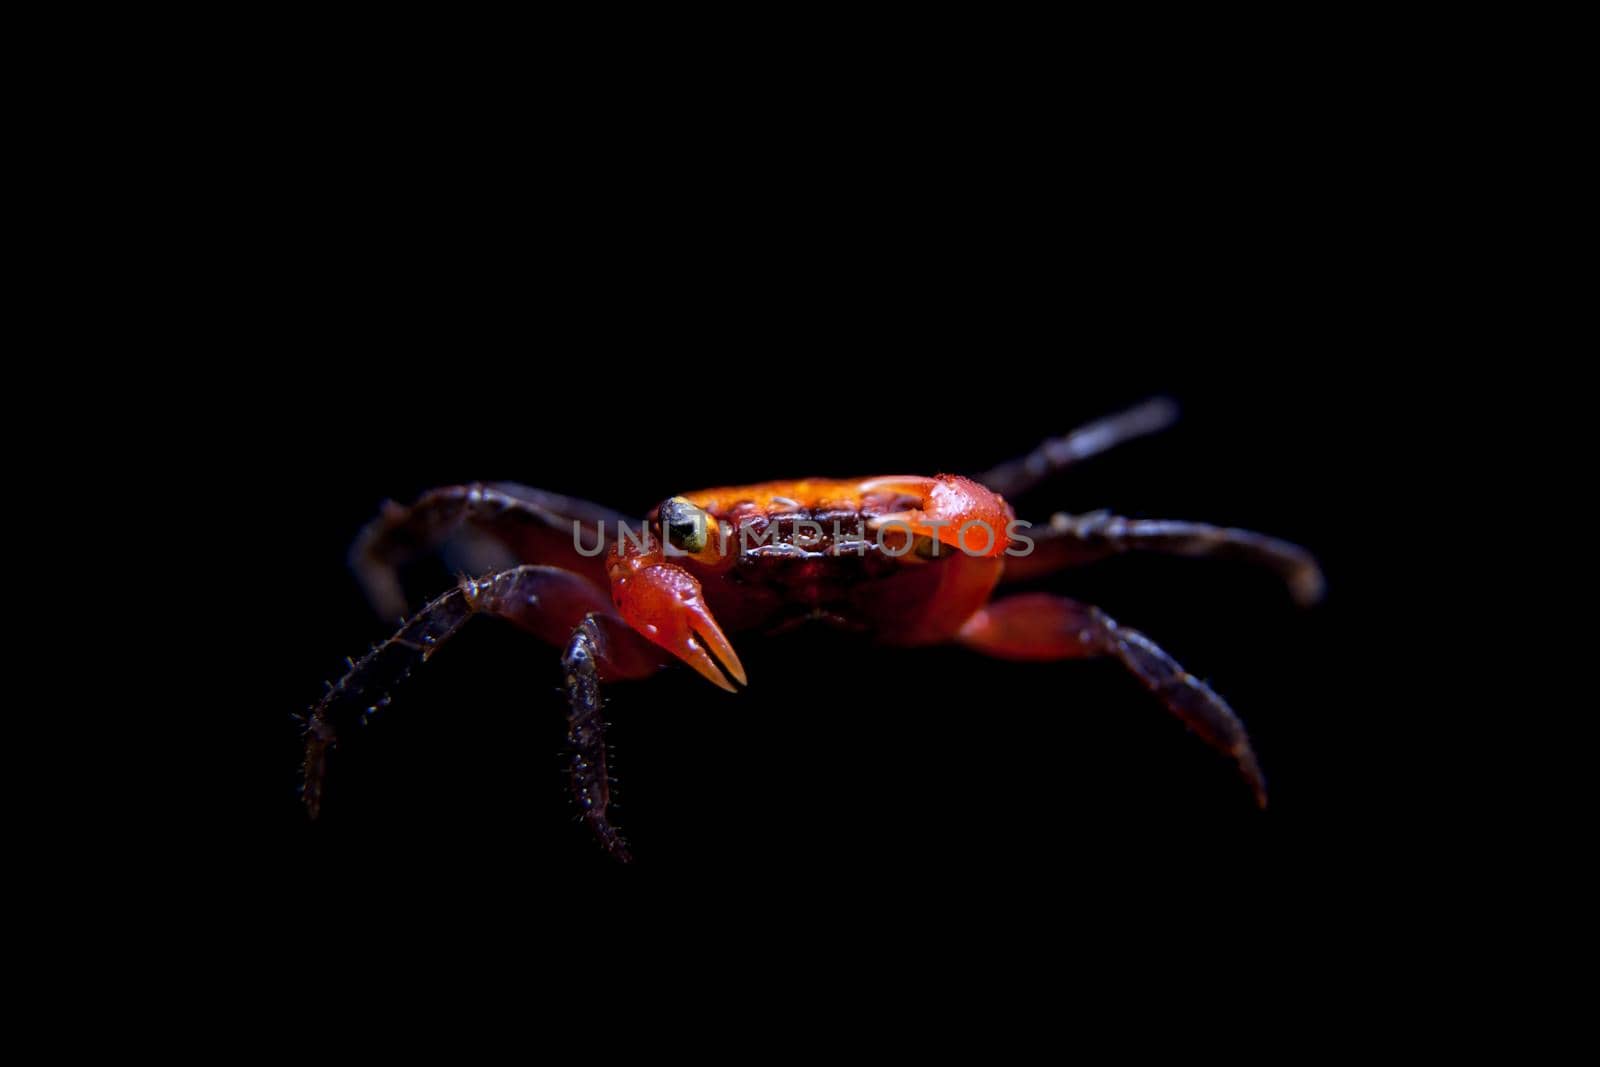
(903, 559)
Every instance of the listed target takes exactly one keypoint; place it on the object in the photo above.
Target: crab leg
(524, 522)
(547, 602)
(591, 654)
(1073, 540)
(1039, 627)
(1058, 453)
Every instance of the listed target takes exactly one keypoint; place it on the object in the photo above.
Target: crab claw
(951, 505)
(663, 602)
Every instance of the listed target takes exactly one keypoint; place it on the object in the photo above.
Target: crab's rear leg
(1073, 540)
(1039, 627)
(559, 607)
(528, 525)
(1017, 476)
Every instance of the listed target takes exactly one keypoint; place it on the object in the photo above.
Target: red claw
(958, 511)
(663, 602)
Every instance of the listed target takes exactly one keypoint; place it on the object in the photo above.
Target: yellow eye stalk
(686, 527)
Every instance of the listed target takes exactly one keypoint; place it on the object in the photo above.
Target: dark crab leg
(1058, 453)
(531, 523)
(1040, 627)
(589, 658)
(1073, 540)
(555, 605)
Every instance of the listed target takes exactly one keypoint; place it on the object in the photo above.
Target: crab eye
(683, 525)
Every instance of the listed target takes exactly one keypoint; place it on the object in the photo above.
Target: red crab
(908, 560)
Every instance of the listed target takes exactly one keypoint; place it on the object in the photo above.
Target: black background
(366, 296)
(629, 359)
